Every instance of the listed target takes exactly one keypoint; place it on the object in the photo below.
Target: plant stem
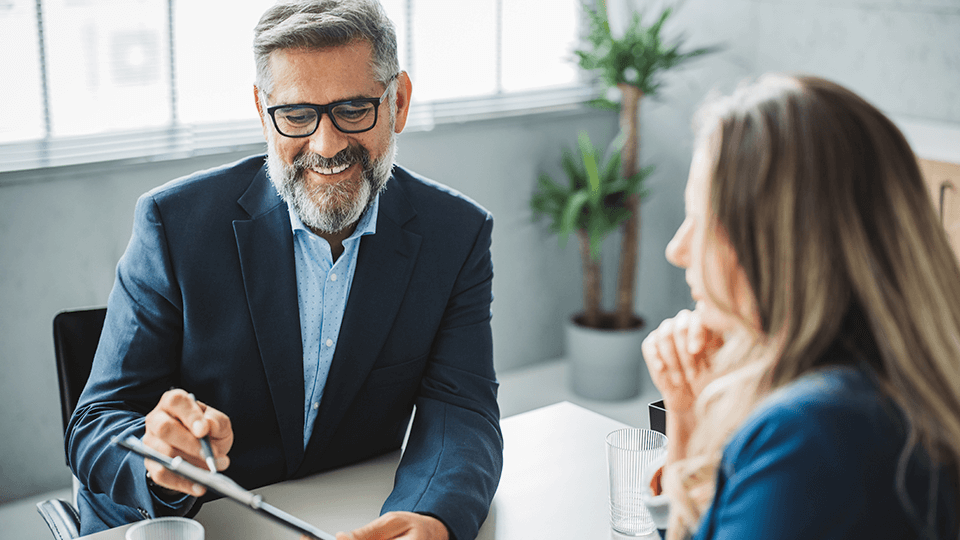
(630, 241)
(591, 282)
(630, 126)
(627, 274)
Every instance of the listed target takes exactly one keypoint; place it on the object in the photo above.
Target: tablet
(223, 485)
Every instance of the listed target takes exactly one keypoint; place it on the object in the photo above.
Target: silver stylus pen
(206, 451)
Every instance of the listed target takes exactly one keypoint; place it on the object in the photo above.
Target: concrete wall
(61, 237)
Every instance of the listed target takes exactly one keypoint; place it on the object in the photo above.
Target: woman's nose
(678, 249)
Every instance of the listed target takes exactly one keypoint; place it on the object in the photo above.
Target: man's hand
(174, 428)
(399, 526)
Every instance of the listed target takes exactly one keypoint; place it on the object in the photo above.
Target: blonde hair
(823, 204)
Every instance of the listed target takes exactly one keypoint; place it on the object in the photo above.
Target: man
(300, 308)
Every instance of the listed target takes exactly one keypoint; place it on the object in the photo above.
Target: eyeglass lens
(298, 120)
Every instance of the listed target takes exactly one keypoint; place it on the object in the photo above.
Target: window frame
(179, 140)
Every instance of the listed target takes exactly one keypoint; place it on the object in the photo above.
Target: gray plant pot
(605, 364)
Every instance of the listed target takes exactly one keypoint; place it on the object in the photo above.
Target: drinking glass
(166, 528)
(629, 452)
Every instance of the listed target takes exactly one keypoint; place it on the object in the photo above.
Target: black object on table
(658, 416)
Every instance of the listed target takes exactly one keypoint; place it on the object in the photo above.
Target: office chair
(75, 337)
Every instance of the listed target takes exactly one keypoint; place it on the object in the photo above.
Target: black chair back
(76, 334)
(75, 337)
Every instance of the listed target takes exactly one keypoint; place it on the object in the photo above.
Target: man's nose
(327, 140)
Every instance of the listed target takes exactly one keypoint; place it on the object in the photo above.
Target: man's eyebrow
(358, 96)
(353, 98)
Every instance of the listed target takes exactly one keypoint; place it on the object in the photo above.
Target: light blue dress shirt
(322, 290)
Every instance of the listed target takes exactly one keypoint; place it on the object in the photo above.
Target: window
(21, 116)
(215, 70)
(110, 79)
(107, 65)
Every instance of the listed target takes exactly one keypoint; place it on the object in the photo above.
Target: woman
(814, 392)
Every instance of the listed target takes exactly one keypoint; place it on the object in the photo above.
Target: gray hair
(318, 24)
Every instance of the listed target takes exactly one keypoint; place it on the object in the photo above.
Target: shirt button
(333, 277)
(316, 405)
(329, 343)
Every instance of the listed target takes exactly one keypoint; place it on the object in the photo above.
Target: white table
(554, 486)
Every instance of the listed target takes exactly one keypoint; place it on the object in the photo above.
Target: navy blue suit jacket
(205, 299)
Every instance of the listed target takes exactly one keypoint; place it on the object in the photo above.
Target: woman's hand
(679, 355)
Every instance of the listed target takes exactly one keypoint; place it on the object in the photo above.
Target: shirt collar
(366, 225)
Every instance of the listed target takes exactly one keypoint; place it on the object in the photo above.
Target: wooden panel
(943, 181)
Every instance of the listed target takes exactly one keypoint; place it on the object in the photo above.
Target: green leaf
(593, 200)
(589, 155)
(635, 183)
(574, 170)
(612, 169)
(570, 221)
(655, 29)
(642, 49)
(549, 201)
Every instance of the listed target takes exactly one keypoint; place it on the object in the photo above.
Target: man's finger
(165, 478)
(169, 437)
(220, 432)
(182, 406)
(399, 525)
(384, 527)
(161, 426)
(167, 449)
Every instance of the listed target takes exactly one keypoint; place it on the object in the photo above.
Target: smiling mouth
(329, 171)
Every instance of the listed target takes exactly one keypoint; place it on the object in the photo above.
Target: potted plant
(598, 200)
(593, 203)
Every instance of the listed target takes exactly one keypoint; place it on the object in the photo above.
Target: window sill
(27, 161)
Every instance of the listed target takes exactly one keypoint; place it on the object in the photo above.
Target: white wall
(60, 238)
(901, 55)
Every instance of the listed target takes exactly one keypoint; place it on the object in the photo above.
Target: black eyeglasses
(352, 116)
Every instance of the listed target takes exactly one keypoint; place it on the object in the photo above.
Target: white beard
(330, 208)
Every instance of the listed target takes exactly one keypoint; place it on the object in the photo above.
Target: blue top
(818, 459)
(322, 290)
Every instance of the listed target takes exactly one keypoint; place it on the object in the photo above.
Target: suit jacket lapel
(384, 266)
(265, 244)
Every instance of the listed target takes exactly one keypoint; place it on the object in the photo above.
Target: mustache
(348, 156)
